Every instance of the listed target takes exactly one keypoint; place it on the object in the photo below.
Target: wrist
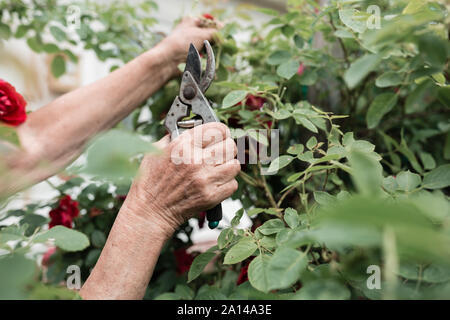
(164, 56)
(141, 211)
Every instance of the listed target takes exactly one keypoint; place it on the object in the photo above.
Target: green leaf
(288, 69)
(237, 218)
(291, 217)
(168, 296)
(184, 292)
(16, 272)
(9, 134)
(233, 98)
(420, 97)
(312, 142)
(110, 155)
(58, 66)
(299, 42)
(21, 31)
(65, 238)
(382, 104)
(285, 267)
(435, 49)
(296, 149)
(57, 33)
(243, 249)
(225, 237)
(309, 77)
(272, 226)
(435, 273)
(427, 160)
(324, 198)
(35, 44)
(408, 181)
(367, 173)
(323, 289)
(199, 264)
(388, 79)
(360, 69)
(5, 31)
(98, 239)
(438, 178)
(268, 11)
(278, 57)
(280, 163)
(350, 19)
(305, 122)
(258, 273)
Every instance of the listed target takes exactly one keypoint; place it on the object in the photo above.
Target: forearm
(68, 122)
(55, 135)
(126, 264)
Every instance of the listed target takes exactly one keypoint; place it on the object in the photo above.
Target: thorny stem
(266, 188)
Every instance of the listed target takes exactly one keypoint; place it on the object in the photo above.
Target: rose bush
(364, 149)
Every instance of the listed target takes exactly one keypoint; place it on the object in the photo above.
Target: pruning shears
(194, 84)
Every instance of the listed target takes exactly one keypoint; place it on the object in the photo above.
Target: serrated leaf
(288, 69)
(272, 226)
(382, 104)
(278, 57)
(324, 198)
(225, 237)
(360, 69)
(233, 98)
(291, 217)
(285, 267)
(280, 163)
(438, 178)
(388, 79)
(312, 142)
(199, 264)
(306, 123)
(408, 181)
(243, 249)
(258, 273)
(65, 238)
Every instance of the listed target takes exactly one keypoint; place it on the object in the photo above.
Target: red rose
(12, 105)
(208, 16)
(243, 275)
(255, 102)
(201, 219)
(183, 260)
(64, 213)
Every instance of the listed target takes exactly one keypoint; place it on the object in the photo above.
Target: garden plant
(358, 208)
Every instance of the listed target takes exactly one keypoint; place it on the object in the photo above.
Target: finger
(208, 134)
(226, 190)
(163, 143)
(220, 153)
(227, 171)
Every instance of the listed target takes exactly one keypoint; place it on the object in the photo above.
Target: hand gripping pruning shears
(194, 84)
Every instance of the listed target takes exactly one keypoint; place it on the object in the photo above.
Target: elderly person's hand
(193, 173)
(190, 30)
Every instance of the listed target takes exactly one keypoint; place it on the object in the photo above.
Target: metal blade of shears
(193, 63)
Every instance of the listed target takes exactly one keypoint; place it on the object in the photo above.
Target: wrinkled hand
(189, 31)
(193, 173)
